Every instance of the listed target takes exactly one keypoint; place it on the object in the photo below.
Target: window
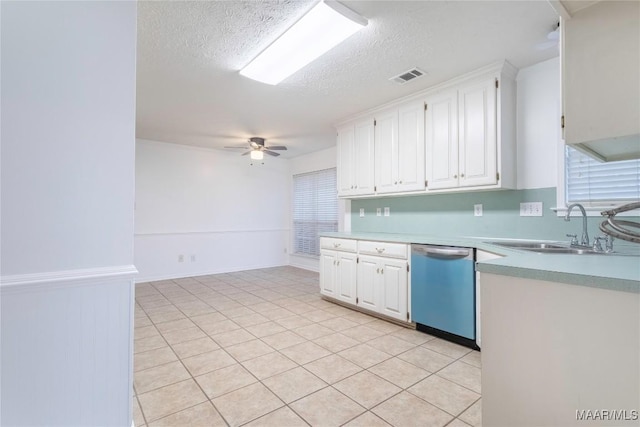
(595, 183)
(315, 209)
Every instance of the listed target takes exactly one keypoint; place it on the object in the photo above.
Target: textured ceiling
(189, 55)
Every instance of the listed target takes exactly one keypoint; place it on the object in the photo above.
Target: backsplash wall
(452, 214)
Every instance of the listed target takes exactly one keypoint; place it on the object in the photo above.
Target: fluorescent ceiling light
(322, 28)
(257, 155)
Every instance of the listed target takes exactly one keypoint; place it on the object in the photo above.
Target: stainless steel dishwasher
(443, 300)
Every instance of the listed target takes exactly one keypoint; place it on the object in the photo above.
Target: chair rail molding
(66, 278)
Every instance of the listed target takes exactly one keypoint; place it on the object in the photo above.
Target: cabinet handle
(396, 183)
(455, 176)
(336, 245)
(338, 263)
(334, 262)
(382, 271)
(380, 250)
(400, 182)
(352, 187)
(377, 271)
(355, 186)
(461, 175)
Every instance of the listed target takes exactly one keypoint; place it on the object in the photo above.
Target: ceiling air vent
(408, 75)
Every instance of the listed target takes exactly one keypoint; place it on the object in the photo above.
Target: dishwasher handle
(443, 251)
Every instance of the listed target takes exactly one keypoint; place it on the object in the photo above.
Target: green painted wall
(452, 214)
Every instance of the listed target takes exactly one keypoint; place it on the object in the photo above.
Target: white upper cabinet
(399, 149)
(477, 142)
(346, 161)
(442, 140)
(470, 135)
(364, 157)
(600, 67)
(460, 135)
(411, 147)
(356, 158)
(386, 151)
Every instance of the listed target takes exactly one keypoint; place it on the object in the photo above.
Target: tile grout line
(304, 297)
(188, 371)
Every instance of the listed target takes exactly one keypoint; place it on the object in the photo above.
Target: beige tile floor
(261, 348)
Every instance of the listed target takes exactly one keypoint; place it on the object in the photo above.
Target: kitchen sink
(553, 248)
(529, 245)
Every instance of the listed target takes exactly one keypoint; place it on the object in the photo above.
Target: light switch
(361, 212)
(387, 212)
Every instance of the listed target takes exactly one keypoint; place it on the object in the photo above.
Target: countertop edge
(510, 262)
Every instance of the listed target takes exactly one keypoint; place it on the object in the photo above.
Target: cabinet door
(346, 277)
(477, 138)
(441, 129)
(345, 164)
(363, 158)
(366, 283)
(411, 147)
(328, 260)
(386, 146)
(601, 102)
(393, 289)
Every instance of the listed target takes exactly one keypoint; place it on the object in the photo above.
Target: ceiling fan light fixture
(325, 26)
(257, 155)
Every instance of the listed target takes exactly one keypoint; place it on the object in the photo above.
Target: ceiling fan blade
(276, 147)
(271, 153)
(246, 152)
(546, 45)
(236, 146)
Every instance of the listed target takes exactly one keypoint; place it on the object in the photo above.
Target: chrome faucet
(584, 240)
(608, 240)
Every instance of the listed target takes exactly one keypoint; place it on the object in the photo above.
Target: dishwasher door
(443, 299)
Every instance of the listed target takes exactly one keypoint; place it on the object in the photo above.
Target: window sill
(593, 211)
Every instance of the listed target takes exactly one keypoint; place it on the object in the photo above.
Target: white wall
(319, 160)
(209, 204)
(538, 124)
(67, 166)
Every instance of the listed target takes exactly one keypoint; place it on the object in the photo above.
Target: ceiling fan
(257, 148)
(553, 37)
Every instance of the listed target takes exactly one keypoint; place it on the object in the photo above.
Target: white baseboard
(304, 267)
(156, 278)
(305, 262)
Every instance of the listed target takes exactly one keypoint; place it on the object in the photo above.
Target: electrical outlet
(361, 212)
(477, 210)
(378, 211)
(387, 212)
(531, 209)
(180, 258)
(193, 258)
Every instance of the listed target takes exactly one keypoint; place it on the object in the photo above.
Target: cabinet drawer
(345, 245)
(391, 250)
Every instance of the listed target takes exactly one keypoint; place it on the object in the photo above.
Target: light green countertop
(615, 272)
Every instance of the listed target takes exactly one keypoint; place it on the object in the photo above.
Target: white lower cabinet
(382, 286)
(338, 275)
(366, 280)
(378, 283)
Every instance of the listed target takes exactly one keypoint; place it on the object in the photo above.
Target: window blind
(597, 183)
(315, 209)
